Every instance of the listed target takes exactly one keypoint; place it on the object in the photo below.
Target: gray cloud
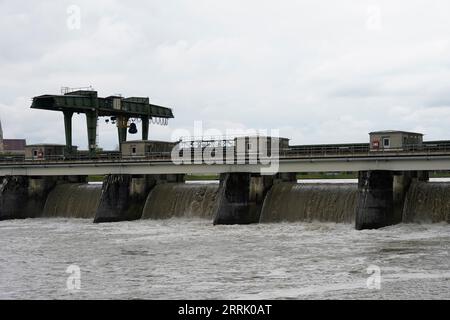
(314, 69)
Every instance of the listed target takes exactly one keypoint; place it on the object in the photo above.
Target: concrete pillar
(68, 130)
(24, 197)
(91, 121)
(401, 184)
(241, 196)
(123, 196)
(145, 126)
(118, 193)
(374, 207)
(122, 134)
(13, 198)
(122, 122)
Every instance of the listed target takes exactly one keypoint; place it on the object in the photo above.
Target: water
(191, 259)
(181, 200)
(427, 202)
(186, 257)
(334, 202)
(74, 200)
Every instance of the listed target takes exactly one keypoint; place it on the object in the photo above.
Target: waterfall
(288, 201)
(73, 200)
(427, 202)
(181, 200)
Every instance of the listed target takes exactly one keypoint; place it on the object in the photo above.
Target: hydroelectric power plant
(257, 175)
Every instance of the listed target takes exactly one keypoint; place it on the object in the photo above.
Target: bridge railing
(321, 151)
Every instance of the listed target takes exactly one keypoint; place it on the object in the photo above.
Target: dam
(145, 179)
(425, 202)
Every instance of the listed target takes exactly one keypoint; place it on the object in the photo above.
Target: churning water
(185, 257)
(181, 200)
(191, 259)
(334, 202)
(74, 200)
(427, 202)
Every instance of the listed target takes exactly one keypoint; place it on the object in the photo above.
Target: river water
(182, 258)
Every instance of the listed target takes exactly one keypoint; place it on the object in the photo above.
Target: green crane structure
(120, 110)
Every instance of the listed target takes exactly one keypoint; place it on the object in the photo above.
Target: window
(386, 142)
(133, 150)
(35, 153)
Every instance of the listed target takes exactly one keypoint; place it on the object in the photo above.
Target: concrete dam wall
(240, 198)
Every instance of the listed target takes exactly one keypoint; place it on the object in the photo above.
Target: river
(181, 258)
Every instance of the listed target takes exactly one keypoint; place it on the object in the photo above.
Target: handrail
(288, 153)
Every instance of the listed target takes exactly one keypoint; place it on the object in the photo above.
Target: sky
(317, 71)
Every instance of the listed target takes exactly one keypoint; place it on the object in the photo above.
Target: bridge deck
(161, 163)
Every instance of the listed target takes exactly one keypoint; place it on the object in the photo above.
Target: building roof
(395, 131)
(14, 144)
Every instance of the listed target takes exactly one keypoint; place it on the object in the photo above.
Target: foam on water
(182, 258)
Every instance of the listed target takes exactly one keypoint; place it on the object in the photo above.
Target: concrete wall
(381, 196)
(241, 196)
(24, 197)
(375, 204)
(123, 196)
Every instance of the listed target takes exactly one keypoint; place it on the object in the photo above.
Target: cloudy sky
(319, 71)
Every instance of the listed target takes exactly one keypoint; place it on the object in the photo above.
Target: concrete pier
(123, 196)
(24, 197)
(241, 196)
(375, 204)
(401, 183)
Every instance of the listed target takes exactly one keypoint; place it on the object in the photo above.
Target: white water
(191, 259)
(183, 258)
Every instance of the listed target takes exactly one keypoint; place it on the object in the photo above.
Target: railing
(294, 152)
(65, 90)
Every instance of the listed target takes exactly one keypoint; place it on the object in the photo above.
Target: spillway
(286, 201)
(181, 200)
(427, 202)
(74, 200)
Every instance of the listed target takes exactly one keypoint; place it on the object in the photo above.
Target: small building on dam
(46, 151)
(142, 148)
(394, 140)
